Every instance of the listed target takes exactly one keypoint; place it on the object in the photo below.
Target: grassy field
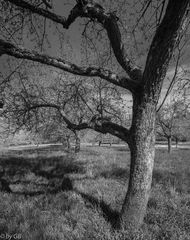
(44, 204)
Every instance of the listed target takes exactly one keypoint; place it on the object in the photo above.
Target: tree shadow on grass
(48, 167)
(32, 176)
(32, 170)
(112, 216)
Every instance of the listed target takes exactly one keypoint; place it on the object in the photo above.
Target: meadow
(57, 195)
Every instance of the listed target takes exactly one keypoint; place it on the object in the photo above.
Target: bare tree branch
(12, 50)
(167, 37)
(99, 125)
(93, 11)
(41, 11)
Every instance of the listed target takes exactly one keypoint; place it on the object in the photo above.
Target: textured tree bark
(145, 99)
(169, 144)
(142, 148)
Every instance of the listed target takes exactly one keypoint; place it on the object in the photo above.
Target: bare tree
(172, 122)
(34, 105)
(145, 85)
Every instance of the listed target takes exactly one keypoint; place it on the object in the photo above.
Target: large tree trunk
(145, 99)
(169, 139)
(142, 146)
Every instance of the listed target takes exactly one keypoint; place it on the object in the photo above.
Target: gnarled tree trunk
(142, 149)
(145, 99)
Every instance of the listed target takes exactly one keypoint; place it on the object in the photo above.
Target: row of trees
(116, 39)
(30, 107)
(172, 123)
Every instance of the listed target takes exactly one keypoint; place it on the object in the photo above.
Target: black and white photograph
(95, 119)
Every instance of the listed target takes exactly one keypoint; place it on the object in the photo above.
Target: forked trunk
(142, 149)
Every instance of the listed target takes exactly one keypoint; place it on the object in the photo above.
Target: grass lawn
(44, 205)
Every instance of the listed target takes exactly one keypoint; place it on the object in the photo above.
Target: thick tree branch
(43, 12)
(110, 22)
(99, 125)
(106, 127)
(165, 40)
(92, 10)
(12, 50)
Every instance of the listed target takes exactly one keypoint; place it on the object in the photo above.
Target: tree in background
(33, 103)
(160, 33)
(172, 123)
(173, 111)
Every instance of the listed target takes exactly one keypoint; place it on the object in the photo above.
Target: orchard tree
(172, 122)
(170, 20)
(35, 103)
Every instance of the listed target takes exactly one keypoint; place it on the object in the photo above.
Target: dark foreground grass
(43, 205)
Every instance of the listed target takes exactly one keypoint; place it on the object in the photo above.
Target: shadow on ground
(109, 214)
(37, 174)
(31, 176)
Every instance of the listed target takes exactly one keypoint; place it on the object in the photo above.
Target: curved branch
(109, 22)
(12, 50)
(102, 126)
(106, 127)
(92, 10)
